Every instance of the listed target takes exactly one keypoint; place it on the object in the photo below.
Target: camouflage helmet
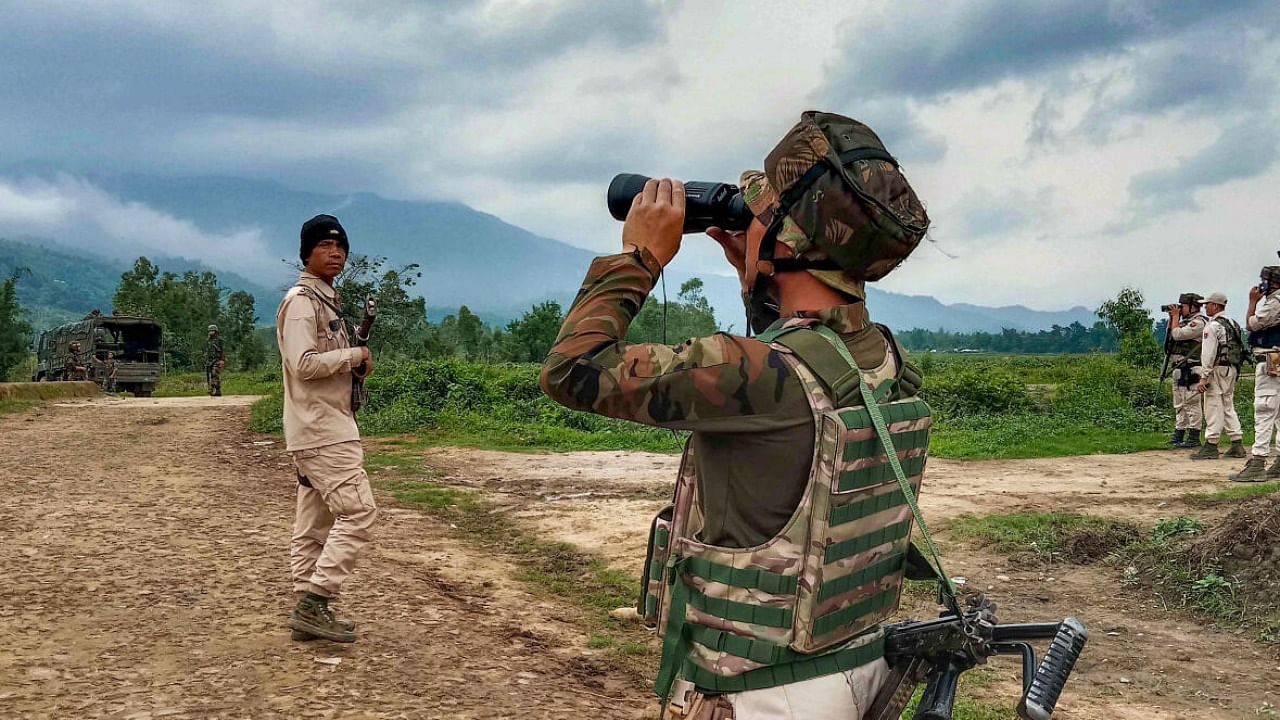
(1190, 298)
(1271, 274)
(213, 328)
(832, 193)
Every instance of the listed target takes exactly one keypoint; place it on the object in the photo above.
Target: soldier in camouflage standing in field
(1186, 326)
(214, 361)
(1221, 354)
(1264, 337)
(747, 401)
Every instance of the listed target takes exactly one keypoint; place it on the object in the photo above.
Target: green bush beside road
(985, 406)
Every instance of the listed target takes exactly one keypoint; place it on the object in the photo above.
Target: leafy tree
(690, 316)
(402, 320)
(531, 337)
(239, 329)
(15, 331)
(184, 306)
(1128, 315)
(1074, 338)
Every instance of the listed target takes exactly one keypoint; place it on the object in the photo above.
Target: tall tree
(531, 337)
(402, 319)
(1127, 313)
(15, 331)
(238, 328)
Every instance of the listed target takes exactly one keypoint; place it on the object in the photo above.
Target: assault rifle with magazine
(937, 652)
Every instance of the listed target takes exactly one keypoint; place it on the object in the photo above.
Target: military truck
(134, 340)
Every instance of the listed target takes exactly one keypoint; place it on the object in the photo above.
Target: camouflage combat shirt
(752, 429)
(213, 351)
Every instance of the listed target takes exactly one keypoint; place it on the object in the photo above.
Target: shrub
(976, 392)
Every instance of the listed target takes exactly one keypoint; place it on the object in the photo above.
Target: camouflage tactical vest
(1231, 353)
(809, 601)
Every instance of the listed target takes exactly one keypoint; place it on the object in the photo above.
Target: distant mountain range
(467, 257)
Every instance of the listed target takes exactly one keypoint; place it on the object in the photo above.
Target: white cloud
(76, 212)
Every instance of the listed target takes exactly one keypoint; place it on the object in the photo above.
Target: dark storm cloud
(929, 49)
(93, 84)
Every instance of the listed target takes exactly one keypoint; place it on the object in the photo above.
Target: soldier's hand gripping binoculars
(707, 204)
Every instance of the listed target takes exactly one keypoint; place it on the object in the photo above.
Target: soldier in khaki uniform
(1264, 337)
(335, 506)
(1221, 352)
(1186, 326)
(745, 399)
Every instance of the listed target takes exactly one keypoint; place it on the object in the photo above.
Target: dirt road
(144, 576)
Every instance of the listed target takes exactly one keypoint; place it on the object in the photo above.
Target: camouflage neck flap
(844, 319)
(763, 201)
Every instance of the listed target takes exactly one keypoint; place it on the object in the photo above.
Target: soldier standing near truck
(214, 361)
(77, 363)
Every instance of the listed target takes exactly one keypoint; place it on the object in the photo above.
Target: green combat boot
(1254, 471)
(313, 617)
(1179, 437)
(1193, 439)
(1207, 451)
(301, 636)
(1237, 449)
(1273, 472)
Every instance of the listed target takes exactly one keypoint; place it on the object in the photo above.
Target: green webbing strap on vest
(877, 419)
(749, 578)
(675, 644)
(784, 674)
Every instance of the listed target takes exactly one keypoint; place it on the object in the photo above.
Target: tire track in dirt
(1144, 662)
(145, 571)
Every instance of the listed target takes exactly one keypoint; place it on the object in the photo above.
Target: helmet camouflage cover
(844, 199)
(1271, 273)
(1190, 298)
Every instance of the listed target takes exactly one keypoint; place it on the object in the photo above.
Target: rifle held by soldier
(937, 652)
(360, 396)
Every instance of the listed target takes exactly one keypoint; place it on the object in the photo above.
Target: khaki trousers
(1266, 410)
(333, 517)
(1220, 405)
(1187, 410)
(840, 696)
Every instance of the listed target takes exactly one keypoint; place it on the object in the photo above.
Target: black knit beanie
(318, 229)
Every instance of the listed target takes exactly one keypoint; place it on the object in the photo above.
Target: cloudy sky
(1064, 148)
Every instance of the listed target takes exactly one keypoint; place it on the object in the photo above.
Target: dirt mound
(1092, 543)
(1246, 543)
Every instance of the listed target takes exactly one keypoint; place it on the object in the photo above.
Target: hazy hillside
(63, 284)
(467, 257)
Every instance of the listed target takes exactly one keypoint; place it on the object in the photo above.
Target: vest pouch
(861, 533)
(653, 579)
